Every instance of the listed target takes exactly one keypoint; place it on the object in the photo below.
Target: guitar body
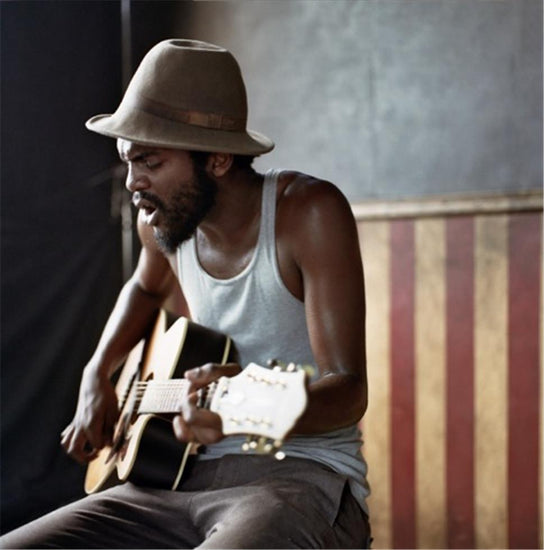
(149, 453)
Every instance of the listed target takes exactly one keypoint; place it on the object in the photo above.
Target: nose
(135, 181)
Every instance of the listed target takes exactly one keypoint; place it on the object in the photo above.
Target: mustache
(149, 198)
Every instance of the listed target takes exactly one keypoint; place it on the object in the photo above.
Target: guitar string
(143, 387)
(140, 387)
(153, 387)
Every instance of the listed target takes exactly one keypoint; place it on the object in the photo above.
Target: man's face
(171, 194)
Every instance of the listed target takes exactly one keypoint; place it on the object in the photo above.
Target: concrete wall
(390, 99)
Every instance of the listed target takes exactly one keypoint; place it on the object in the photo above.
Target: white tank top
(265, 321)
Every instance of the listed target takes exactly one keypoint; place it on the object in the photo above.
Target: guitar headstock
(261, 403)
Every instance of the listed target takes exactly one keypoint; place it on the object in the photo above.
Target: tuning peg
(277, 365)
(250, 444)
(279, 454)
(263, 445)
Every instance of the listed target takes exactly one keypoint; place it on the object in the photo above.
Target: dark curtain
(61, 258)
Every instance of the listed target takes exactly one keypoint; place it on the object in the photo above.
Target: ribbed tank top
(265, 321)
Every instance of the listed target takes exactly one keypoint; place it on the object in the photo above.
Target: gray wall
(390, 99)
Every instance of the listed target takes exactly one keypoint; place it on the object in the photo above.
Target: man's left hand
(196, 424)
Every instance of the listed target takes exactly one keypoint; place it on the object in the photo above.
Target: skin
(319, 259)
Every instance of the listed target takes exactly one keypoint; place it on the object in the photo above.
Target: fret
(161, 397)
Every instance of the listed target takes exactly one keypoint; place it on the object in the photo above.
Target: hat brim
(146, 129)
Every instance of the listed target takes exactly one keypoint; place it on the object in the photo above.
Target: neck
(237, 205)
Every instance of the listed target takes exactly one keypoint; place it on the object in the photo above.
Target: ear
(219, 163)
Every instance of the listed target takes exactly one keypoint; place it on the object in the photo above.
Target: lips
(149, 210)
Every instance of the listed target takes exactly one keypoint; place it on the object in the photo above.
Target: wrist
(98, 367)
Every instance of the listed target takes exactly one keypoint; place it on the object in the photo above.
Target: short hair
(242, 162)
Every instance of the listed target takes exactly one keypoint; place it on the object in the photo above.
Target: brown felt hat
(185, 94)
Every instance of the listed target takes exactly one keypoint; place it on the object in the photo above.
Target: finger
(197, 424)
(94, 432)
(204, 419)
(109, 426)
(74, 447)
(210, 372)
(79, 448)
(86, 453)
(207, 436)
(188, 405)
(89, 453)
(112, 415)
(206, 432)
(107, 436)
(66, 430)
(182, 430)
(207, 427)
(66, 436)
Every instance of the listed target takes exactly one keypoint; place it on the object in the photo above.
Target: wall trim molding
(449, 205)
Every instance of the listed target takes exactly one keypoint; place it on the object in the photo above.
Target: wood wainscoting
(452, 434)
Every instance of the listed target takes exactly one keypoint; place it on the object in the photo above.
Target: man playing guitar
(273, 261)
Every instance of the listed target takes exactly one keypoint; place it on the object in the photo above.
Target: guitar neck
(257, 401)
(160, 396)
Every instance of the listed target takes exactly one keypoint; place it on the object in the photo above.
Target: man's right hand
(93, 423)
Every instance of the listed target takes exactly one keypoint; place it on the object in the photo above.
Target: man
(274, 262)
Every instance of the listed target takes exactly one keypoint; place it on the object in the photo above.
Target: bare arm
(134, 311)
(136, 306)
(325, 249)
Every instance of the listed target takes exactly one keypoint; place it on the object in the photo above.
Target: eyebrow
(137, 156)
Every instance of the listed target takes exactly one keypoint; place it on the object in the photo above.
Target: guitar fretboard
(160, 396)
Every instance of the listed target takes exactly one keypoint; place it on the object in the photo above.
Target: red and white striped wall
(453, 430)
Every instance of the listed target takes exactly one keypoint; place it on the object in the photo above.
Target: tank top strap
(267, 236)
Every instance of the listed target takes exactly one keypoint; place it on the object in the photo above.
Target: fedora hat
(185, 94)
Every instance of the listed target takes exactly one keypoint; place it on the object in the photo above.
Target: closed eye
(149, 160)
(152, 164)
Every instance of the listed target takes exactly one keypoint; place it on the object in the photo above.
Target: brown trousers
(233, 502)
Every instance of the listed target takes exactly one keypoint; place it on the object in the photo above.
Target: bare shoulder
(305, 200)
(317, 241)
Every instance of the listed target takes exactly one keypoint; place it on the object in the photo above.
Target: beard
(188, 207)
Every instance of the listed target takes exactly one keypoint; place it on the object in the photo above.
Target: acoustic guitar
(262, 403)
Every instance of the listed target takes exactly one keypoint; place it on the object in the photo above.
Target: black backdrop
(61, 265)
(61, 252)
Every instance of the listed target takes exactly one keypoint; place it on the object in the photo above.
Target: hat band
(212, 121)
